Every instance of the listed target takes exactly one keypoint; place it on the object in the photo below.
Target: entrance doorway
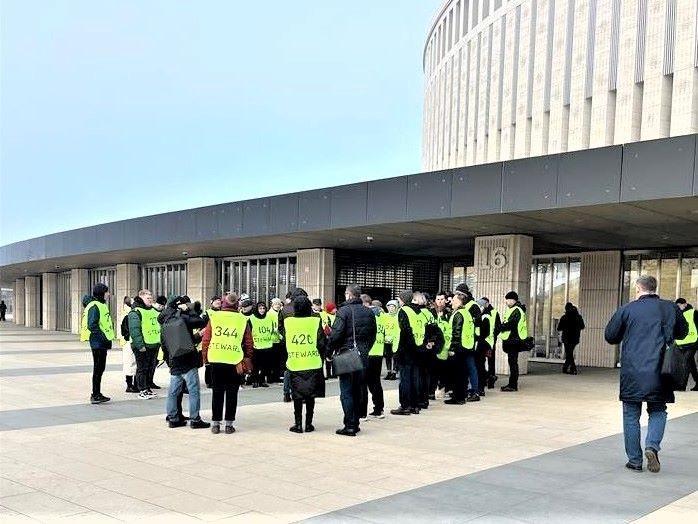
(554, 282)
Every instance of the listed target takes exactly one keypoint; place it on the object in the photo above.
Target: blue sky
(116, 109)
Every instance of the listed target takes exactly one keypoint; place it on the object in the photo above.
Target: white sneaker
(440, 394)
(152, 395)
(144, 395)
(363, 419)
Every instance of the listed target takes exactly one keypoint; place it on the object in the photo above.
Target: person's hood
(377, 310)
(228, 306)
(573, 311)
(352, 301)
(415, 307)
(255, 311)
(138, 302)
(99, 290)
(688, 307)
(86, 299)
(522, 306)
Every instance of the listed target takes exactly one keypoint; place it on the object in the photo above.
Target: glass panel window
(689, 280)
(573, 286)
(668, 276)
(650, 266)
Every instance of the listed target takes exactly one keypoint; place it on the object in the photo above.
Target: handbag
(349, 361)
(675, 367)
(176, 337)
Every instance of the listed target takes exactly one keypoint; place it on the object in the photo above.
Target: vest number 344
(495, 258)
(225, 332)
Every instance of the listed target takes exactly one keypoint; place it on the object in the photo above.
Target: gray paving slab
(41, 352)
(124, 409)
(52, 370)
(585, 483)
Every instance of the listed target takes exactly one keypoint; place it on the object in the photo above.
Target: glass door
(554, 282)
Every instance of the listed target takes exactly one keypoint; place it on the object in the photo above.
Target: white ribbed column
(315, 271)
(503, 264)
(18, 312)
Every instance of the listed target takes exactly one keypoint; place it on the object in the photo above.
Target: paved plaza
(551, 453)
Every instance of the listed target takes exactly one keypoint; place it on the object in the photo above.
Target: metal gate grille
(389, 273)
(106, 276)
(63, 302)
(263, 278)
(165, 279)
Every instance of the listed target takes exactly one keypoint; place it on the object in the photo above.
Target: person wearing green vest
(514, 331)
(439, 373)
(490, 326)
(410, 337)
(375, 366)
(426, 353)
(97, 328)
(391, 338)
(228, 348)
(263, 336)
(277, 349)
(690, 342)
(144, 332)
(305, 346)
(465, 324)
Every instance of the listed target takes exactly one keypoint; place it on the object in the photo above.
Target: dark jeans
(424, 363)
(227, 395)
(350, 394)
(471, 367)
(437, 375)
(373, 384)
(264, 360)
(480, 359)
(99, 359)
(460, 376)
(631, 428)
(569, 358)
(143, 364)
(153, 365)
(409, 384)
(513, 359)
(692, 364)
(491, 369)
(388, 352)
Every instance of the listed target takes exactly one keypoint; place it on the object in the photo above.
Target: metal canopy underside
(671, 223)
(636, 196)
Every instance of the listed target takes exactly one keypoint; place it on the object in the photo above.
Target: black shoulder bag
(348, 361)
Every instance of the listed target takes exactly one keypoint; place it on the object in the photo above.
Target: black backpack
(124, 329)
(176, 337)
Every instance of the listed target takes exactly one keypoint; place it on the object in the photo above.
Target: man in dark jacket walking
(644, 326)
(353, 325)
(570, 325)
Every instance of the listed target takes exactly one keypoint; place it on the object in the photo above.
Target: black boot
(130, 388)
(309, 419)
(298, 416)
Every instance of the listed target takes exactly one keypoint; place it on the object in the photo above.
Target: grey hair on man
(354, 290)
(646, 284)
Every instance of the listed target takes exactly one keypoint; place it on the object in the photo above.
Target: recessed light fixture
(185, 253)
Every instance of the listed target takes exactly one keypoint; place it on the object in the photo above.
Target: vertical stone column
(31, 301)
(599, 291)
(18, 313)
(201, 279)
(128, 281)
(79, 287)
(503, 264)
(49, 291)
(316, 273)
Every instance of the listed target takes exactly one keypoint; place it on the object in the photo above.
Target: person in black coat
(406, 358)
(570, 325)
(354, 323)
(307, 384)
(644, 327)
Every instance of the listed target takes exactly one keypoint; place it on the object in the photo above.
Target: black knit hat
(512, 295)
(162, 300)
(99, 290)
(463, 288)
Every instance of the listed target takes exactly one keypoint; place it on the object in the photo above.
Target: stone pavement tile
(669, 514)
(121, 506)
(202, 508)
(567, 465)
(555, 509)
(139, 489)
(494, 518)
(689, 501)
(251, 517)
(525, 479)
(286, 510)
(209, 488)
(9, 488)
(38, 505)
(284, 490)
(88, 517)
(9, 515)
(333, 501)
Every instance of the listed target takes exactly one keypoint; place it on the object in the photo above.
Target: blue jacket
(638, 326)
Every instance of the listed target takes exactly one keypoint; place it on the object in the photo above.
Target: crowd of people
(441, 348)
